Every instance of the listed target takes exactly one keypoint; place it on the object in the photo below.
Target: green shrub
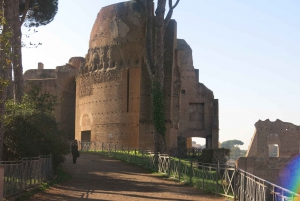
(31, 129)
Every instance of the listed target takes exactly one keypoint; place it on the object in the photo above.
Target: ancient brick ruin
(273, 146)
(111, 100)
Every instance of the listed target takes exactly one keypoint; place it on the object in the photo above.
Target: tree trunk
(155, 63)
(158, 100)
(17, 53)
(10, 87)
(5, 51)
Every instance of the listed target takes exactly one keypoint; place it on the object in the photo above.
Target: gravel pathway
(97, 177)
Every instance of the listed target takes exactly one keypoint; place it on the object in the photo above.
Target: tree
(35, 13)
(231, 143)
(5, 62)
(235, 151)
(31, 13)
(154, 51)
(10, 42)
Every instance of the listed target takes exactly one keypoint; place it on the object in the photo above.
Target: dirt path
(97, 177)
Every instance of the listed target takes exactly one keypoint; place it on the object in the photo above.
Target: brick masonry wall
(257, 160)
(109, 92)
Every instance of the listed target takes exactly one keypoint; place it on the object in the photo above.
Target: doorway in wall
(199, 142)
(85, 136)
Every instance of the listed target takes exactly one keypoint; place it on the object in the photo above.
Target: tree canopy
(35, 13)
(231, 143)
(235, 151)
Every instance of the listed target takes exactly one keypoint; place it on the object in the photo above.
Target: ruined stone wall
(112, 87)
(257, 160)
(108, 88)
(198, 109)
(271, 169)
(286, 135)
(39, 74)
(61, 83)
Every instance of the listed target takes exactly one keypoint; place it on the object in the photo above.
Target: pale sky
(247, 53)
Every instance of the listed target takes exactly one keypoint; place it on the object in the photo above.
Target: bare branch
(175, 4)
(24, 12)
(170, 13)
(170, 4)
(141, 4)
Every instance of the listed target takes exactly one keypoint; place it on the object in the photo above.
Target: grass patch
(61, 176)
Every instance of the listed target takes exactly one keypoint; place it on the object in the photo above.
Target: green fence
(25, 173)
(222, 179)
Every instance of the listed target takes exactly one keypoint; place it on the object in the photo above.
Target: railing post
(108, 149)
(255, 189)
(202, 176)
(1, 182)
(128, 157)
(217, 174)
(115, 150)
(169, 166)
(191, 174)
(244, 188)
(234, 183)
(102, 148)
(179, 175)
(134, 156)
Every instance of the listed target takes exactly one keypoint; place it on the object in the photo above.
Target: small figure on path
(75, 152)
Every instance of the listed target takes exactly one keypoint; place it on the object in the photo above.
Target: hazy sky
(247, 53)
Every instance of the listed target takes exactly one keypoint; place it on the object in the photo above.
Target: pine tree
(31, 13)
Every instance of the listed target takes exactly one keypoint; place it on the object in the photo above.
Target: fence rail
(25, 173)
(222, 179)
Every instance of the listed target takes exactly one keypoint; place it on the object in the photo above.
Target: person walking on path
(75, 152)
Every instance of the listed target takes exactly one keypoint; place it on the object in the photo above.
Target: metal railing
(25, 173)
(252, 188)
(222, 179)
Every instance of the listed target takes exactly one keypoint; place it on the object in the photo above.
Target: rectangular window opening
(273, 150)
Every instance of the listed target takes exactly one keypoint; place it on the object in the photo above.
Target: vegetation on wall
(31, 129)
(154, 53)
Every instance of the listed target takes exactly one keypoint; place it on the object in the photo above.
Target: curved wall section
(108, 87)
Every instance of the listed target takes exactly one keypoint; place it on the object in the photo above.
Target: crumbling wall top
(275, 125)
(117, 23)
